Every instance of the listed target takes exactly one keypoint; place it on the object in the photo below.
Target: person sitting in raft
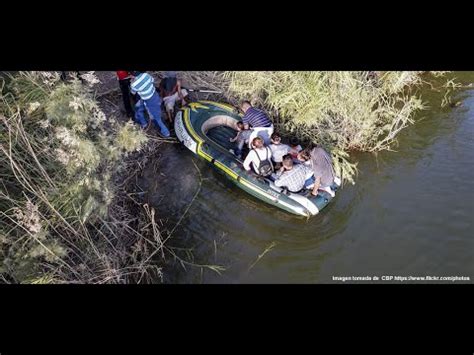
(321, 165)
(142, 84)
(260, 158)
(294, 177)
(295, 148)
(258, 120)
(278, 149)
(171, 91)
(242, 137)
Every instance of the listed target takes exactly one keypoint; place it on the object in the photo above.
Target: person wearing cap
(171, 91)
(143, 85)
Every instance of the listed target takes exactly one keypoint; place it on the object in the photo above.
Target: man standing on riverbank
(143, 85)
(124, 82)
(261, 124)
(171, 91)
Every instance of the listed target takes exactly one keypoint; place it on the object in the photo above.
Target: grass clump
(60, 161)
(342, 111)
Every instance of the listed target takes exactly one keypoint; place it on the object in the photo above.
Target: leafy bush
(341, 111)
(59, 154)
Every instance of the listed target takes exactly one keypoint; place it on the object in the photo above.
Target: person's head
(294, 142)
(245, 105)
(257, 142)
(304, 155)
(287, 162)
(276, 138)
(240, 125)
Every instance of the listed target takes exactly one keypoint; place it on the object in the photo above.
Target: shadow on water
(408, 214)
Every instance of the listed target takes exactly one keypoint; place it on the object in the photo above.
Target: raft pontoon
(205, 127)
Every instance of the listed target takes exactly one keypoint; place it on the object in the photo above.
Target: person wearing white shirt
(259, 158)
(278, 149)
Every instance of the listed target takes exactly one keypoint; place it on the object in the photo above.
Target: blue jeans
(242, 138)
(309, 182)
(240, 146)
(153, 106)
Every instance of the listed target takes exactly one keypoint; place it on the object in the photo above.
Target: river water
(409, 214)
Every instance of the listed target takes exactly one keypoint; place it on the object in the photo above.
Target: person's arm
(245, 121)
(280, 171)
(281, 179)
(180, 94)
(235, 138)
(248, 160)
(132, 91)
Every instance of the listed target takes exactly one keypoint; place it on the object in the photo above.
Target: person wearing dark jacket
(124, 82)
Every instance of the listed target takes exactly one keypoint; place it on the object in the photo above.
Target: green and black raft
(205, 127)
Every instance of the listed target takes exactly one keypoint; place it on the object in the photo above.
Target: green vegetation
(60, 162)
(68, 211)
(342, 111)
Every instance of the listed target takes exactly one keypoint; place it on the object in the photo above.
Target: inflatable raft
(205, 127)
